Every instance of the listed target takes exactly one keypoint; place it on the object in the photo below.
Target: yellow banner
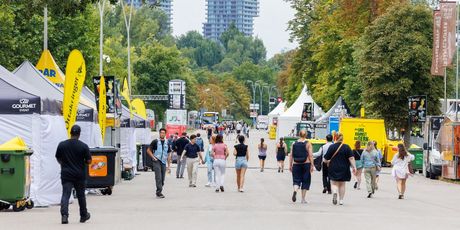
(75, 78)
(127, 95)
(102, 106)
(139, 108)
(50, 69)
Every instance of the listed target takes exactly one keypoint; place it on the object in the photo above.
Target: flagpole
(45, 28)
(128, 26)
(101, 34)
(456, 74)
(445, 90)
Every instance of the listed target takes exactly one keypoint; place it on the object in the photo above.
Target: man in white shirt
(238, 128)
(321, 152)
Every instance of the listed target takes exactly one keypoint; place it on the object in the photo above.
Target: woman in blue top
(371, 164)
(241, 153)
(209, 162)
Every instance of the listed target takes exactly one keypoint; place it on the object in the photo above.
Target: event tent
(276, 112)
(36, 118)
(339, 109)
(289, 119)
(128, 139)
(87, 112)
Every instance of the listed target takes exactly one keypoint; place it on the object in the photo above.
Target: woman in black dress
(281, 154)
(340, 158)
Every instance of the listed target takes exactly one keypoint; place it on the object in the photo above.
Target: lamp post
(253, 86)
(261, 91)
(128, 27)
(270, 88)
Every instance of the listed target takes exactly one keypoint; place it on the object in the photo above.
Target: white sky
(270, 26)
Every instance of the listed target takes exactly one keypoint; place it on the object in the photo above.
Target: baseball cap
(75, 130)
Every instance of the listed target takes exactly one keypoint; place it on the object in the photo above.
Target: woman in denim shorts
(241, 153)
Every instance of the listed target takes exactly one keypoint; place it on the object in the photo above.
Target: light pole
(261, 91)
(253, 86)
(270, 88)
(101, 6)
(128, 27)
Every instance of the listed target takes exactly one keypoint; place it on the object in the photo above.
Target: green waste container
(289, 141)
(316, 144)
(15, 175)
(417, 163)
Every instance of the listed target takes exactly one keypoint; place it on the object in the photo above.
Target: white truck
(262, 122)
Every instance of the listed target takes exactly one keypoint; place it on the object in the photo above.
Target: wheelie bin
(289, 141)
(147, 161)
(316, 144)
(15, 175)
(101, 172)
(417, 163)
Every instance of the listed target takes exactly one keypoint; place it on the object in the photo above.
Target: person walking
(220, 154)
(200, 142)
(262, 154)
(281, 154)
(300, 161)
(209, 163)
(339, 158)
(209, 131)
(73, 155)
(241, 152)
(371, 165)
(239, 127)
(159, 151)
(191, 153)
(179, 147)
(400, 170)
(378, 172)
(357, 153)
(324, 168)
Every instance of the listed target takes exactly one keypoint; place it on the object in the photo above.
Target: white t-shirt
(238, 127)
(400, 166)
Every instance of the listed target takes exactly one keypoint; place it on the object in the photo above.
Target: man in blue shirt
(159, 151)
(192, 152)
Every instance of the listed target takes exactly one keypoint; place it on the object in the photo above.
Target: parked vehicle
(262, 122)
(432, 162)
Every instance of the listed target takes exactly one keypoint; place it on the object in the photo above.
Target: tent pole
(45, 28)
(445, 90)
(101, 34)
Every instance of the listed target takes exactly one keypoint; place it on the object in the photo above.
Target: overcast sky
(270, 26)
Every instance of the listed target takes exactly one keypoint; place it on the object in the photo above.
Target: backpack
(199, 142)
(299, 152)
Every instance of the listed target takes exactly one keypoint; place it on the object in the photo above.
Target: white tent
(35, 117)
(87, 112)
(289, 119)
(276, 112)
(128, 139)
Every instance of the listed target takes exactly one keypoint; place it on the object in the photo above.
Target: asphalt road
(265, 204)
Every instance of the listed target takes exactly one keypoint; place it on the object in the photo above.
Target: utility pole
(128, 27)
(101, 6)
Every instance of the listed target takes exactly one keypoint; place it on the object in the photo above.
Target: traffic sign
(254, 106)
(253, 114)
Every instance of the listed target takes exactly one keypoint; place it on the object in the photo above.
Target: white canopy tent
(87, 113)
(289, 119)
(276, 112)
(37, 119)
(128, 139)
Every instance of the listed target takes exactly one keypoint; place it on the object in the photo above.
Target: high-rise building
(220, 14)
(165, 5)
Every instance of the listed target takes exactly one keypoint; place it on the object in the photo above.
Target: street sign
(417, 108)
(272, 101)
(254, 106)
(253, 114)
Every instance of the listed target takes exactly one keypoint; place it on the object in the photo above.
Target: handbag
(337, 151)
(318, 162)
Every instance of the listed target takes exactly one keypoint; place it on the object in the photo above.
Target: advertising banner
(21, 106)
(457, 140)
(448, 35)
(139, 108)
(334, 124)
(417, 108)
(102, 106)
(48, 67)
(176, 121)
(127, 95)
(307, 112)
(436, 67)
(75, 78)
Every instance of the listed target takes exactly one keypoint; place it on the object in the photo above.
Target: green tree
(395, 61)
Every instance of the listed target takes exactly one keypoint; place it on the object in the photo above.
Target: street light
(253, 86)
(261, 91)
(270, 88)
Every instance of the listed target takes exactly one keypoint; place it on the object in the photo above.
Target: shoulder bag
(336, 151)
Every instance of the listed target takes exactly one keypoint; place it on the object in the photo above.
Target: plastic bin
(147, 162)
(102, 170)
(316, 144)
(289, 141)
(15, 175)
(417, 163)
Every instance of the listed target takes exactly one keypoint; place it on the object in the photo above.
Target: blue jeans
(79, 186)
(211, 175)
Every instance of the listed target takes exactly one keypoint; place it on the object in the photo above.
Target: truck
(432, 162)
(262, 122)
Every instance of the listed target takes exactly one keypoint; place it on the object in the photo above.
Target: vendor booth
(38, 121)
(330, 121)
(304, 109)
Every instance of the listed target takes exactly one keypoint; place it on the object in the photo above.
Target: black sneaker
(85, 218)
(324, 190)
(334, 199)
(356, 185)
(370, 195)
(329, 192)
(222, 188)
(294, 196)
(160, 195)
(401, 197)
(217, 190)
(64, 219)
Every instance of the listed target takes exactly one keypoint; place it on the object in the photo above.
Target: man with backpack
(200, 142)
(300, 164)
(159, 151)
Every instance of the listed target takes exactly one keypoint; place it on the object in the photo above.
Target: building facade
(165, 5)
(220, 14)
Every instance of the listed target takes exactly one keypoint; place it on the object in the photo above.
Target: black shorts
(262, 157)
(301, 175)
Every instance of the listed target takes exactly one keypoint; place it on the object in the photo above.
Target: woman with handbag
(281, 154)
(357, 153)
(371, 164)
(401, 168)
(339, 158)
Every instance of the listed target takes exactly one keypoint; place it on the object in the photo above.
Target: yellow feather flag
(139, 108)
(75, 78)
(127, 95)
(50, 69)
(102, 106)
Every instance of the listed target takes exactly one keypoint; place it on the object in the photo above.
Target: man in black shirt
(73, 156)
(159, 151)
(179, 148)
(192, 151)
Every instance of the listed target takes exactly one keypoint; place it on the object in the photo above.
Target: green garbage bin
(289, 141)
(417, 163)
(15, 175)
(316, 144)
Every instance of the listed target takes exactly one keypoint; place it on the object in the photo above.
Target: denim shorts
(241, 162)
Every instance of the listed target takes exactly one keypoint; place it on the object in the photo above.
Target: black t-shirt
(192, 150)
(357, 154)
(154, 144)
(209, 131)
(241, 150)
(73, 155)
(180, 145)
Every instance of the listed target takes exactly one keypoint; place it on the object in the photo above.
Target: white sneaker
(341, 202)
(208, 184)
